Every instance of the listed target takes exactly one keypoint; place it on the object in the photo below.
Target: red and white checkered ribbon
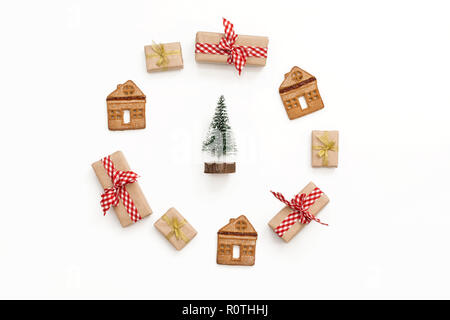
(237, 55)
(300, 205)
(118, 191)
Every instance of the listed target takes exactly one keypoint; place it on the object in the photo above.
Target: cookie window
(297, 76)
(241, 225)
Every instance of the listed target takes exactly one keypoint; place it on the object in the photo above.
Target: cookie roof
(239, 226)
(295, 79)
(127, 91)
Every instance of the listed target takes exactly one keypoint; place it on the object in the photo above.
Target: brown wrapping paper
(175, 60)
(188, 231)
(242, 40)
(317, 161)
(297, 227)
(120, 163)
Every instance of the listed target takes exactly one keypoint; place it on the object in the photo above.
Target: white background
(383, 71)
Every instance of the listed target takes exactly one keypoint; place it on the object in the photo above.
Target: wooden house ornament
(126, 107)
(299, 93)
(236, 243)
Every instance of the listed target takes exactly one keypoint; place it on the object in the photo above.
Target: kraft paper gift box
(207, 47)
(134, 190)
(163, 56)
(175, 228)
(324, 148)
(242, 40)
(297, 227)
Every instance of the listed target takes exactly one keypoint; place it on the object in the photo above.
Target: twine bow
(176, 225)
(160, 51)
(112, 195)
(299, 205)
(326, 146)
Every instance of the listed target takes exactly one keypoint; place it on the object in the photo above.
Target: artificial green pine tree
(220, 141)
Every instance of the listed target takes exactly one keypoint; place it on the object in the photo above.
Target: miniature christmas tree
(219, 142)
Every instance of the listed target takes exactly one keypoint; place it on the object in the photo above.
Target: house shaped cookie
(126, 107)
(236, 243)
(299, 93)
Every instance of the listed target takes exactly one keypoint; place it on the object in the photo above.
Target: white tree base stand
(213, 167)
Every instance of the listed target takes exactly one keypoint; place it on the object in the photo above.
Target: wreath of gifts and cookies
(236, 241)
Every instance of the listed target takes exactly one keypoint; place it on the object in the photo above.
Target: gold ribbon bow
(326, 146)
(176, 225)
(161, 52)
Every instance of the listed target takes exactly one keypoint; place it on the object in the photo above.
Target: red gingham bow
(237, 55)
(300, 205)
(118, 191)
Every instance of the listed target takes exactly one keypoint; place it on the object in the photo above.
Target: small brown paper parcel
(175, 228)
(324, 148)
(120, 163)
(163, 56)
(242, 40)
(297, 227)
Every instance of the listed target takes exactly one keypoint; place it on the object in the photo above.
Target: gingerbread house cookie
(126, 107)
(236, 243)
(299, 93)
